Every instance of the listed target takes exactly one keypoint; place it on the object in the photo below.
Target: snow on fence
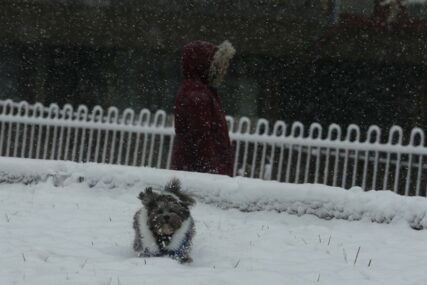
(282, 152)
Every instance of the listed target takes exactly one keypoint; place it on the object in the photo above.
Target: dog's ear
(147, 196)
(147, 191)
(174, 187)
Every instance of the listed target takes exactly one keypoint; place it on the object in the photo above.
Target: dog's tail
(174, 187)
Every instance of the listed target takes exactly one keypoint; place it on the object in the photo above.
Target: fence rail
(282, 152)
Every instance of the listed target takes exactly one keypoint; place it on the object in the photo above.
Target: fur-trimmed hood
(206, 62)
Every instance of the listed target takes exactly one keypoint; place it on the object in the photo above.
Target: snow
(241, 193)
(73, 225)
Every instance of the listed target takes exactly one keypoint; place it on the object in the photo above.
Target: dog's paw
(185, 259)
(143, 254)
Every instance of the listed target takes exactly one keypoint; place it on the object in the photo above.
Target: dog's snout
(166, 218)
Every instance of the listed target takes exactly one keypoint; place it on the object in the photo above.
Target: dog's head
(168, 210)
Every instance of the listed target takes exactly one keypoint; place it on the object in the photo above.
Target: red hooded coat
(202, 143)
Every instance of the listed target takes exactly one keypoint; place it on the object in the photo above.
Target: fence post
(374, 132)
(128, 119)
(314, 133)
(22, 108)
(261, 123)
(243, 122)
(81, 116)
(296, 126)
(414, 133)
(352, 129)
(279, 130)
(97, 115)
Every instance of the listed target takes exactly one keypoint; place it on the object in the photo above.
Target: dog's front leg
(183, 256)
(137, 244)
(185, 259)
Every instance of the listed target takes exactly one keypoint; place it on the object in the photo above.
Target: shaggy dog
(164, 226)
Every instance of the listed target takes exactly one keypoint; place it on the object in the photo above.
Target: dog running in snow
(164, 225)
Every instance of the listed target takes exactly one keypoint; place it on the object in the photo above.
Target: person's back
(202, 143)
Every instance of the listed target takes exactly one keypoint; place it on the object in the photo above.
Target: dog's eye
(160, 212)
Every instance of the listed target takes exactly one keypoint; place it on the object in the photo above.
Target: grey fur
(163, 222)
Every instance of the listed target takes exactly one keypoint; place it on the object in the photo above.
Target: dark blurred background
(326, 61)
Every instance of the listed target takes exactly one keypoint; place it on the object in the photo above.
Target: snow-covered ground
(74, 227)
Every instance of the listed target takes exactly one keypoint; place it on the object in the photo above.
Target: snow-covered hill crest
(241, 193)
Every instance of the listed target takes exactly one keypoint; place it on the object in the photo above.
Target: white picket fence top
(279, 151)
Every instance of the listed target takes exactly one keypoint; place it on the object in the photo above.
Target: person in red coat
(202, 143)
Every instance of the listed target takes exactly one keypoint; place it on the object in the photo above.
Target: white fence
(278, 151)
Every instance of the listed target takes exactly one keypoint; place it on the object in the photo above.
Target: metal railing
(282, 152)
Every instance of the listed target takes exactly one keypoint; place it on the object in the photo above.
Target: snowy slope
(79, 232)
(225, 192)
